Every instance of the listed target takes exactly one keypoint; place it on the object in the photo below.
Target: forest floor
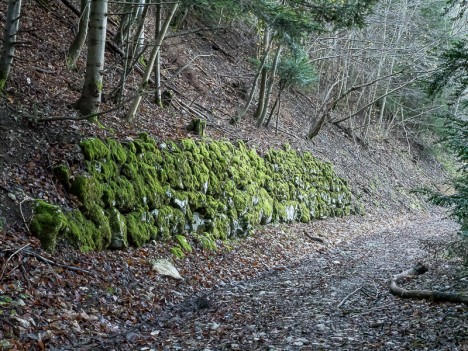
(280, 289)
(317, 286)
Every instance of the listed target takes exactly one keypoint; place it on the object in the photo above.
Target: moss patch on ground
(134, 192)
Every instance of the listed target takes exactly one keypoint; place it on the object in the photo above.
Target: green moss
(183, 243)
(80, 231)
(213, 207)
(177, 251)
(189, 145)
(163, 219)
(242, 201)
(152, 158)
(87, 190)
(279, 212)
(102, 170)
(117, 152)
(63, 174)
(265, 205)
(139, 229)
(108, 194)
(102, 234)
(137, 191)
(94, 149)
(304, 213)
(144, 145)
(124, 194)
(206, 241)
(47, 223)
(220, 227)
(118, 227)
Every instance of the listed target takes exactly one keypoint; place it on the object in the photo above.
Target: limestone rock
(165, 268)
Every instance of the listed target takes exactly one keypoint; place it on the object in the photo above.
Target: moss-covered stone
(80, 231)
(63, 174)
(177, 251)
(206, 241)
(138, 227)
(48, 222)
(101, 236)
(94, 149)
(183, 243)
(137, 191)
(220, 227)
(117, 152)
(118, 227)
(87, 189)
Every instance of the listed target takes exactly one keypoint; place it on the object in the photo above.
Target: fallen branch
(9, 259)
(432, 295)
(26, 251)
(92, 115)
(70, 268)
(348, 296)
(314, 238)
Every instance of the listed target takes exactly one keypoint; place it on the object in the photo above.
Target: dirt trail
(297, 309)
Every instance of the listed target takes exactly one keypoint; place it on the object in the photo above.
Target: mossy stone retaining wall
(138, 191)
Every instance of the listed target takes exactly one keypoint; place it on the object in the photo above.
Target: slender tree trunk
(80, 38)
(261, 118)
(126, 20)
(140, 19)
(241, 114)
(157, 69)
(282, 86)
(264, 77)
(92, 89)
(133, 50)
(9, 40)
(149, 68)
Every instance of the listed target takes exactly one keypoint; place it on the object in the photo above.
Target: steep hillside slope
(116, 300)
(216, 75)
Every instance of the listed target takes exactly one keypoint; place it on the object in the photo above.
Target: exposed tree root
(432, 295)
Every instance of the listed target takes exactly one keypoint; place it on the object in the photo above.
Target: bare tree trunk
(241, 114)
(149, 68)
(9, 40)
(133, 49)
(126, 20)
(157, 70)
(261, 118)
(264, 77)
(80, 38)
(90, 98)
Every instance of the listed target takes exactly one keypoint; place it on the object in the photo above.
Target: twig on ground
(70, 268)
(349, 295)
(9, 259)
(43, 259)
(314, 238)
(22, 214)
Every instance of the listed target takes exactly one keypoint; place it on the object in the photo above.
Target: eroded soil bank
(307, 305)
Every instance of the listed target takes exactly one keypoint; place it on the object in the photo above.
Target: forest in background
(377, 88)
(390, 66)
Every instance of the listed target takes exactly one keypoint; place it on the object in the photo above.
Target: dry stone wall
(133, 192)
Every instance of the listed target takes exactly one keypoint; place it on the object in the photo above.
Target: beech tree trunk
(80, 38)
(9, 40)
(90, 99)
